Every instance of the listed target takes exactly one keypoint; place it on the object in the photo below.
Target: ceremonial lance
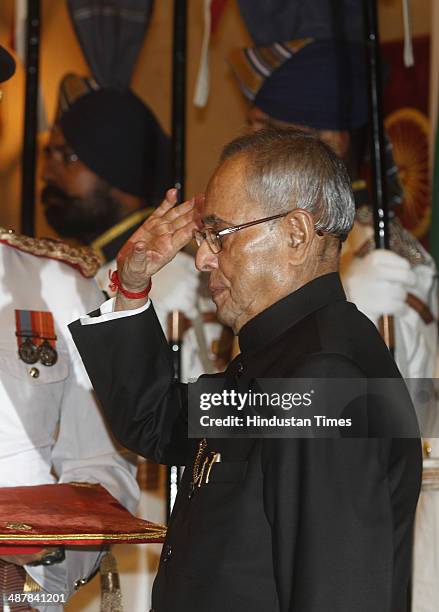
(178, 173)
(377, 148)
(30, 118)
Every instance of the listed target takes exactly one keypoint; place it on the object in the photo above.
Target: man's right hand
(165, 232)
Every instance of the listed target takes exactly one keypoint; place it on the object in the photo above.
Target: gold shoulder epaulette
(82, 258)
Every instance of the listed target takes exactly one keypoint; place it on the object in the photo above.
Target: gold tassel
(111, 595)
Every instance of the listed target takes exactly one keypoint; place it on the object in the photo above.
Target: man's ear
(300, 229)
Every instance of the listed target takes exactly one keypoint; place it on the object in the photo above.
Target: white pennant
(409, 59)
(202, 85)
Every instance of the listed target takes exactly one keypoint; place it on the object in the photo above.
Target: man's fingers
(181, 209)
(183, 220)
(183, 235)
(180, 219)
(169, 202)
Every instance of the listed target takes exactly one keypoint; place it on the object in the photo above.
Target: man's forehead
(226, 195)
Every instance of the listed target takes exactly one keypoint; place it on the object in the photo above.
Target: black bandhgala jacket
(284, 525)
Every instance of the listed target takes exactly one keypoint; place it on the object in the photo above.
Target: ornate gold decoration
(30, 586)
(82, 258)
(155, 533)
(19, 527)
(202, 471)
(87, 485)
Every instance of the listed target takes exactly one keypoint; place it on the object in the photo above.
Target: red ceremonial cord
(115, 285)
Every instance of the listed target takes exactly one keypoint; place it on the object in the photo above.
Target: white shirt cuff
(108, 314)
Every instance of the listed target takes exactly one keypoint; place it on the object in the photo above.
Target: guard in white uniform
(51, 426)
(52, 429)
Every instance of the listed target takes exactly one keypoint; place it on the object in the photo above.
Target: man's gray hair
(289, 168)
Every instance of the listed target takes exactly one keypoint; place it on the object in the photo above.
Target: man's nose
(205, 260)
(50, 169)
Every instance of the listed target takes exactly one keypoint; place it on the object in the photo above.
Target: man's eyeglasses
(60, 153)
(214, 238)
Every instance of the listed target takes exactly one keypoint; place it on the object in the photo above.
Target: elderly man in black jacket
(280, 525)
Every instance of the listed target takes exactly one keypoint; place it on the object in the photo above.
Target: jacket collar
(290, 310)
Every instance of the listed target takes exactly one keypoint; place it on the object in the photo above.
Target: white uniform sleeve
(85, 452)
(378, 284)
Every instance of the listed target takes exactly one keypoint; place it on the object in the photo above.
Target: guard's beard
(83, 218)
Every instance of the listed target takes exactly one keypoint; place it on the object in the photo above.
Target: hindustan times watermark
(310, 408)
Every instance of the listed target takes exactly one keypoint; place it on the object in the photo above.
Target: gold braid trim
(83, 258)
(30, 586)
(155, 532)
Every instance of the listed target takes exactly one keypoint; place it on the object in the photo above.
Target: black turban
(117, 136)
(7, 65)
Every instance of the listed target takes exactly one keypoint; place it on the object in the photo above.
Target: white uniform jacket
(52, 429)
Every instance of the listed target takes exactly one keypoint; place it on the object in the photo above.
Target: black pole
(178, 172)
(380, 202)
(377, 150)
(176, 328)
(30, 118)
(179, 97)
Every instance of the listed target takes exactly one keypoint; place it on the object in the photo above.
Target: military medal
(36, 339)
(28, 352)
(47, 354)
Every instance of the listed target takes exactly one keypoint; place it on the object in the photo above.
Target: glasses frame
(230, 230)
(62, 154)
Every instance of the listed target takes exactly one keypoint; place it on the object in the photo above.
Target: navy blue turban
(324, 86)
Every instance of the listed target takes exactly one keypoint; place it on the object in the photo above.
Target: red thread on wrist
(115, 285)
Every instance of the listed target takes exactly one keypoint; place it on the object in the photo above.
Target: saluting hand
(167, 230)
